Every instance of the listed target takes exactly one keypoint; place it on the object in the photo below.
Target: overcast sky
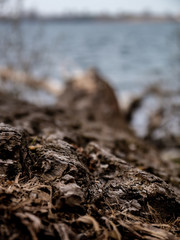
(112, 6)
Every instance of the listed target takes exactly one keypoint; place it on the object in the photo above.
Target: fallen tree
(77, 171)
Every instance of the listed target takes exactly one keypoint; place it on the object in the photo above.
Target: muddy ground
(76, 170)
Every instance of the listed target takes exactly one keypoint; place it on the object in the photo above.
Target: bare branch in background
(13, 41)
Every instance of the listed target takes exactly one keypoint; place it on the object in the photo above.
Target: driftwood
(18, 77)
(77, 171)
(160, 110)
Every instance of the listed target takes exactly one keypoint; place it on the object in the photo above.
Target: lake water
(130, 55)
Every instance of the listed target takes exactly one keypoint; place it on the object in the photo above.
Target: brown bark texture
(77, 171)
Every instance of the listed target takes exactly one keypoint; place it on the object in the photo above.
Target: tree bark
(77, 171)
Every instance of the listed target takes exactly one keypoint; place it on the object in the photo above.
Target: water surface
(130, 55)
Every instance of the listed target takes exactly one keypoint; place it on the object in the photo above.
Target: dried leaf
(89, 220)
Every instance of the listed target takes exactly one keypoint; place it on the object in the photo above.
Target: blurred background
(134, 44)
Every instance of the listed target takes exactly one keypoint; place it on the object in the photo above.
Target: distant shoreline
(94, 18)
